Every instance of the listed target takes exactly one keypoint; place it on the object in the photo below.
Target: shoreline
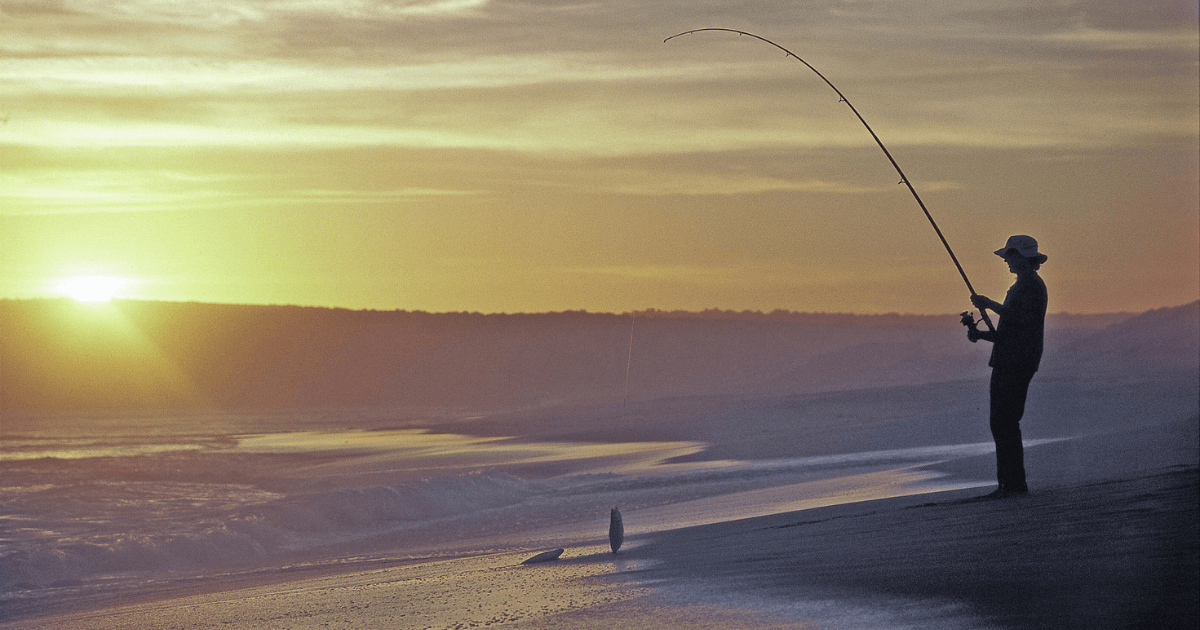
(1099, 543)
(866, 486)
(1112, 554)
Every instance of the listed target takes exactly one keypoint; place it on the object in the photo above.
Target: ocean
(97, 505)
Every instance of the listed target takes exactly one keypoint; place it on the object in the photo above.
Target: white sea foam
(64, 535)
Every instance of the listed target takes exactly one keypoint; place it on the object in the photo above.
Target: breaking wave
(154, 529)
(102, 517)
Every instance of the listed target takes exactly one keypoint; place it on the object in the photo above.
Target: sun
(91, 288)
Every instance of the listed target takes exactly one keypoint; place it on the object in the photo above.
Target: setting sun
(91, 288)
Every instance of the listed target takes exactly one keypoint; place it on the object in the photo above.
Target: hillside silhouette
(62, 355)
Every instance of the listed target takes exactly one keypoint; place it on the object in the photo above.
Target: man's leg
(1008, 392)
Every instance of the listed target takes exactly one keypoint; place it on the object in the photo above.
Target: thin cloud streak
(738, 79)
(195, 75)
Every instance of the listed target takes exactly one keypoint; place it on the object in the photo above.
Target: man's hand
(982, 302)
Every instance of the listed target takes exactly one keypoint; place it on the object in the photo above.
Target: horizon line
(713, 312)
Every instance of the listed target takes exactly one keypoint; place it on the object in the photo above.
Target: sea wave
(132, 531)
(107, 520)
(370, 508)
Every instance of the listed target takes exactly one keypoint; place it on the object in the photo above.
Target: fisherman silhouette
(1016, 354)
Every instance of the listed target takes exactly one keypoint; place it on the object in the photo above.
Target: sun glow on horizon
(91, 288)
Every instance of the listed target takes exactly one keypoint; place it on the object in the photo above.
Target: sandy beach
(1114, 553)
(1099, 543)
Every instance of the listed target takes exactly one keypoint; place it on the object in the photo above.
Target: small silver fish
(616, 530)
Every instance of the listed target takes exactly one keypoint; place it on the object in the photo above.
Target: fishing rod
(903, 177)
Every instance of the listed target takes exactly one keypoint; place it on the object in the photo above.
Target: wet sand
(1100, 544)
(1117, 554)
(1097, 544)
(481, 591)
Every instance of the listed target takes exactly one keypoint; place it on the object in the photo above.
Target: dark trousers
(1008, 391)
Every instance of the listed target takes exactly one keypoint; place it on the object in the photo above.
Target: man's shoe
(1004, 492)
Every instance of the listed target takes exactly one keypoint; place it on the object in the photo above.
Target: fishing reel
(968, 320)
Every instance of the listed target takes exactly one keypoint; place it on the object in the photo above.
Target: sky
(497, 156)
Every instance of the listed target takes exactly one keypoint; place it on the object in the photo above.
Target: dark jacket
(1020, 333)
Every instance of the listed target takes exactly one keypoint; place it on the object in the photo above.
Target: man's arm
(982, 302)
(985, 335)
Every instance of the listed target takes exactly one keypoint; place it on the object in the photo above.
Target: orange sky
(535, 156)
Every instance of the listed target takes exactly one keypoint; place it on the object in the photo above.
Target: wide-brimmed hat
(1025, 245)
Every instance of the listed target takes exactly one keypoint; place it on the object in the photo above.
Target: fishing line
(903, 177)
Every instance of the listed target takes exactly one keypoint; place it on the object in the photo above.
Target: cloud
(249, 77)
(224, 13)
(675, 273)
(1173, 40)
(593, 78)
(776, 274)
(621, 156)
(660, 183)
(70, 190)
(379, 196)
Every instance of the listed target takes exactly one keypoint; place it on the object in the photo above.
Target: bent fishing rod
(903, 178)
